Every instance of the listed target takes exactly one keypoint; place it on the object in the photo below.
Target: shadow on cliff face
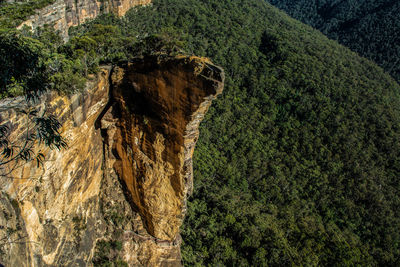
(113, 112)
(150, 127)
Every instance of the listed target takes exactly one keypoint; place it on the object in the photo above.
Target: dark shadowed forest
(369, 27)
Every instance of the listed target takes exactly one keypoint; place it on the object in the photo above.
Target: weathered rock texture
(66, 13)
(118, 192)
(160, 106)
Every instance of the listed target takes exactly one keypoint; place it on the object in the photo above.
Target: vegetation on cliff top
(369, 27)
(298, 161)
(34, 63)
(12, 14)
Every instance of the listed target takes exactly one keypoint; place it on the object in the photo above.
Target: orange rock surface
(126, 172)
(63, 14)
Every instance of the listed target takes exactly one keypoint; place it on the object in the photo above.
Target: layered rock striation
(118, 192)
(63, 14)
(160, 107)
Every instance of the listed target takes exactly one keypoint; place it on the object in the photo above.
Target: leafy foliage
(22, 66)
(31, 64)
(369, 27)
(37, 129)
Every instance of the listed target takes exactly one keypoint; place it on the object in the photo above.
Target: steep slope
(117, 195)
(369, 27)
(66, 13)
(298, 162)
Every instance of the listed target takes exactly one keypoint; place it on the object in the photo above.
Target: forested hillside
(298, 162)
(369, 27)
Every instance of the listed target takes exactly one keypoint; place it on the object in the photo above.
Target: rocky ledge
(118, 192)
(63, 14)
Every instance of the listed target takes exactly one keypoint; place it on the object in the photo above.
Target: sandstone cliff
(66, 13)
(118, 192)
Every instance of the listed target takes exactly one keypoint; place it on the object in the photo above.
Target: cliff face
(160, 106)
(66, 13)
(118, 192)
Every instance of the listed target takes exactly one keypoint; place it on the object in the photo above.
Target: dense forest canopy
(369, 27)
(298, 162)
